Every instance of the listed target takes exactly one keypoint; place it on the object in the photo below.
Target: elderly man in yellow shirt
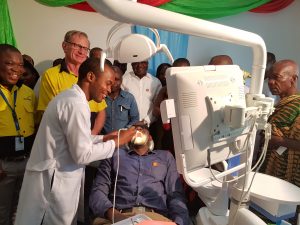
(17, 104)
(59, 78)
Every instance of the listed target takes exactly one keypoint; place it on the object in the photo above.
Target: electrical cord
(259, 161)
(256, 166)
(243, 190)
(263, 156)
(117, 174)
(246, 143)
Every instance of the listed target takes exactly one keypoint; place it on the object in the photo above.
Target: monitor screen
(201, 95)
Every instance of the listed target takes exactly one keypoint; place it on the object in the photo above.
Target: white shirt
(144, 90)
(64, 137)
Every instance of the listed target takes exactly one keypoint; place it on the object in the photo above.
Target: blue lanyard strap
(13, 111)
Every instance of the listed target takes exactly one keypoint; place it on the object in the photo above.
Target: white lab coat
(62, 148)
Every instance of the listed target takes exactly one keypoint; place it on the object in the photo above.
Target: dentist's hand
(125, 136)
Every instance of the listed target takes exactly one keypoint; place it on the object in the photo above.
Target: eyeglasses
(78, 46)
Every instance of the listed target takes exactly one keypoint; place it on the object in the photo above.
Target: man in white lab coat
(63, 146)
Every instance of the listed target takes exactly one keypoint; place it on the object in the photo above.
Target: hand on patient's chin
(139, 138)
(125, 136)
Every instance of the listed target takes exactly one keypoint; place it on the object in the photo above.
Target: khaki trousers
(152, 215)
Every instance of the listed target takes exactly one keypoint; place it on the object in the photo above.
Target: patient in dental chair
(147, 183)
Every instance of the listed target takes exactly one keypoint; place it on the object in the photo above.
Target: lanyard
(13, 111)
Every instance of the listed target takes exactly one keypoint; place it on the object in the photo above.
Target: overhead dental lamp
(132, 47)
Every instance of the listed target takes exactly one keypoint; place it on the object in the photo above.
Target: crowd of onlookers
(149, 180)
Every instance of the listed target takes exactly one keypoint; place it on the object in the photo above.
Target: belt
(137, 209)
(15, 158)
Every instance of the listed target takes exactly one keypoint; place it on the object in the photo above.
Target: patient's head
(141, 142)
(142, 135)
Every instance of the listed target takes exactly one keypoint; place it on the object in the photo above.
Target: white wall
(280, 31)
(39, 31)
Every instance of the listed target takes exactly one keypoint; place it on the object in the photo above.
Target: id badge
(19, 143)
(281, 150)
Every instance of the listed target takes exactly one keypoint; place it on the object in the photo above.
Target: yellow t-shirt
(25, 104)
(57, 79)
(97, 107)
(246, 74)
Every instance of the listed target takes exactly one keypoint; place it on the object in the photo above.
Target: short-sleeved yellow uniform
(57, 79)
(25, 103)
(97, 107)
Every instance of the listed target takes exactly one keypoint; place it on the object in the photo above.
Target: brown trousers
(152, 215)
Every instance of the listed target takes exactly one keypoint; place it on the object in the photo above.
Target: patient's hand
(118, 215)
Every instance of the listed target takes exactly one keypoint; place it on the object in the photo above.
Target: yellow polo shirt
(57, 79)
(25, 104)
(97, 107)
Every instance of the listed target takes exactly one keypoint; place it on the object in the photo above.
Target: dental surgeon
(63, 146)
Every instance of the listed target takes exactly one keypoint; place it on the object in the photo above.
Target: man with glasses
(56, 79)
(76, 47)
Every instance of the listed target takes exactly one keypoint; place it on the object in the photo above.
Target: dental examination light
(212, 118)
(132, 47)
